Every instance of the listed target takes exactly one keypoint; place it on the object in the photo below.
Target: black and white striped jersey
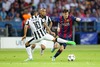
(36, 25)
(47, 20)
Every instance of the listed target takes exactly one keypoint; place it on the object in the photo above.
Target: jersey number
(37, 25)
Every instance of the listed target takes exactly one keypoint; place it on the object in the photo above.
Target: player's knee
(27, 45)
(33, 46)
(43, 47)
(55, 40)
(56, 45)
(61, 48)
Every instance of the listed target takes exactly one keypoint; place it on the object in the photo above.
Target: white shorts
(47, 37)
(45, 43)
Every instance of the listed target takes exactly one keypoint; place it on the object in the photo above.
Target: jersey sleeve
(49, 19)
(27, 22)
(43, 20)
(73, 18)
(59, 19)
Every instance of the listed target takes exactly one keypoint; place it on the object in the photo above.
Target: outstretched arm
(25, 32)
(46, 26)
(78, 19)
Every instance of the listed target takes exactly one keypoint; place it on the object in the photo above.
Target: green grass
(86, 56)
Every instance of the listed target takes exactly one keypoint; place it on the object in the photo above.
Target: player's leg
(56, 45)
(28, 50)
(69, 40)
(33, 47)
(43, 46)
(62, 47)
(42, 49)
(59, 40)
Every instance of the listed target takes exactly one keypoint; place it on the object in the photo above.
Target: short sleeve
(59, 19)
(43, 20)
(27, 22)
(49, 19)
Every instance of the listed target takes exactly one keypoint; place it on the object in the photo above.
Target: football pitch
(86, 56)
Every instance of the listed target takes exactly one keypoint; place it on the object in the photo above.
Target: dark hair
(33, 12)
(64, 10)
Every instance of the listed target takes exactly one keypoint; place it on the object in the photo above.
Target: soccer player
(36, 25)
(65, 30)
(42, 14)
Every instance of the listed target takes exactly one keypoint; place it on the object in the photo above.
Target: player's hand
(23, 37)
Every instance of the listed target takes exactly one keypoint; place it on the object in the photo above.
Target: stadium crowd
(20, 10)
(16, 9)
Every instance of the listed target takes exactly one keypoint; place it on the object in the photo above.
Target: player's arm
(50, 26)
(58, 28)
(47, 27)
(78, 19)
(50, 23)
(25, 30)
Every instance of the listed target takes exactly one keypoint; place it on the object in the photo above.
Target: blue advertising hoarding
(88, 38)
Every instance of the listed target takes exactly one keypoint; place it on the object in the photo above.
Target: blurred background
(14, 13)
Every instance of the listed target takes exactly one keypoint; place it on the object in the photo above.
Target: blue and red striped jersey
(66, 26)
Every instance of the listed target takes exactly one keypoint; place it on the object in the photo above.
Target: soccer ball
(71, 57)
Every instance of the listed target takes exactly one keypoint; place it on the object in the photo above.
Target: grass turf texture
(86, 56)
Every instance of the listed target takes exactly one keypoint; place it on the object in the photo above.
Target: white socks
(28, 49)
(60, 40)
